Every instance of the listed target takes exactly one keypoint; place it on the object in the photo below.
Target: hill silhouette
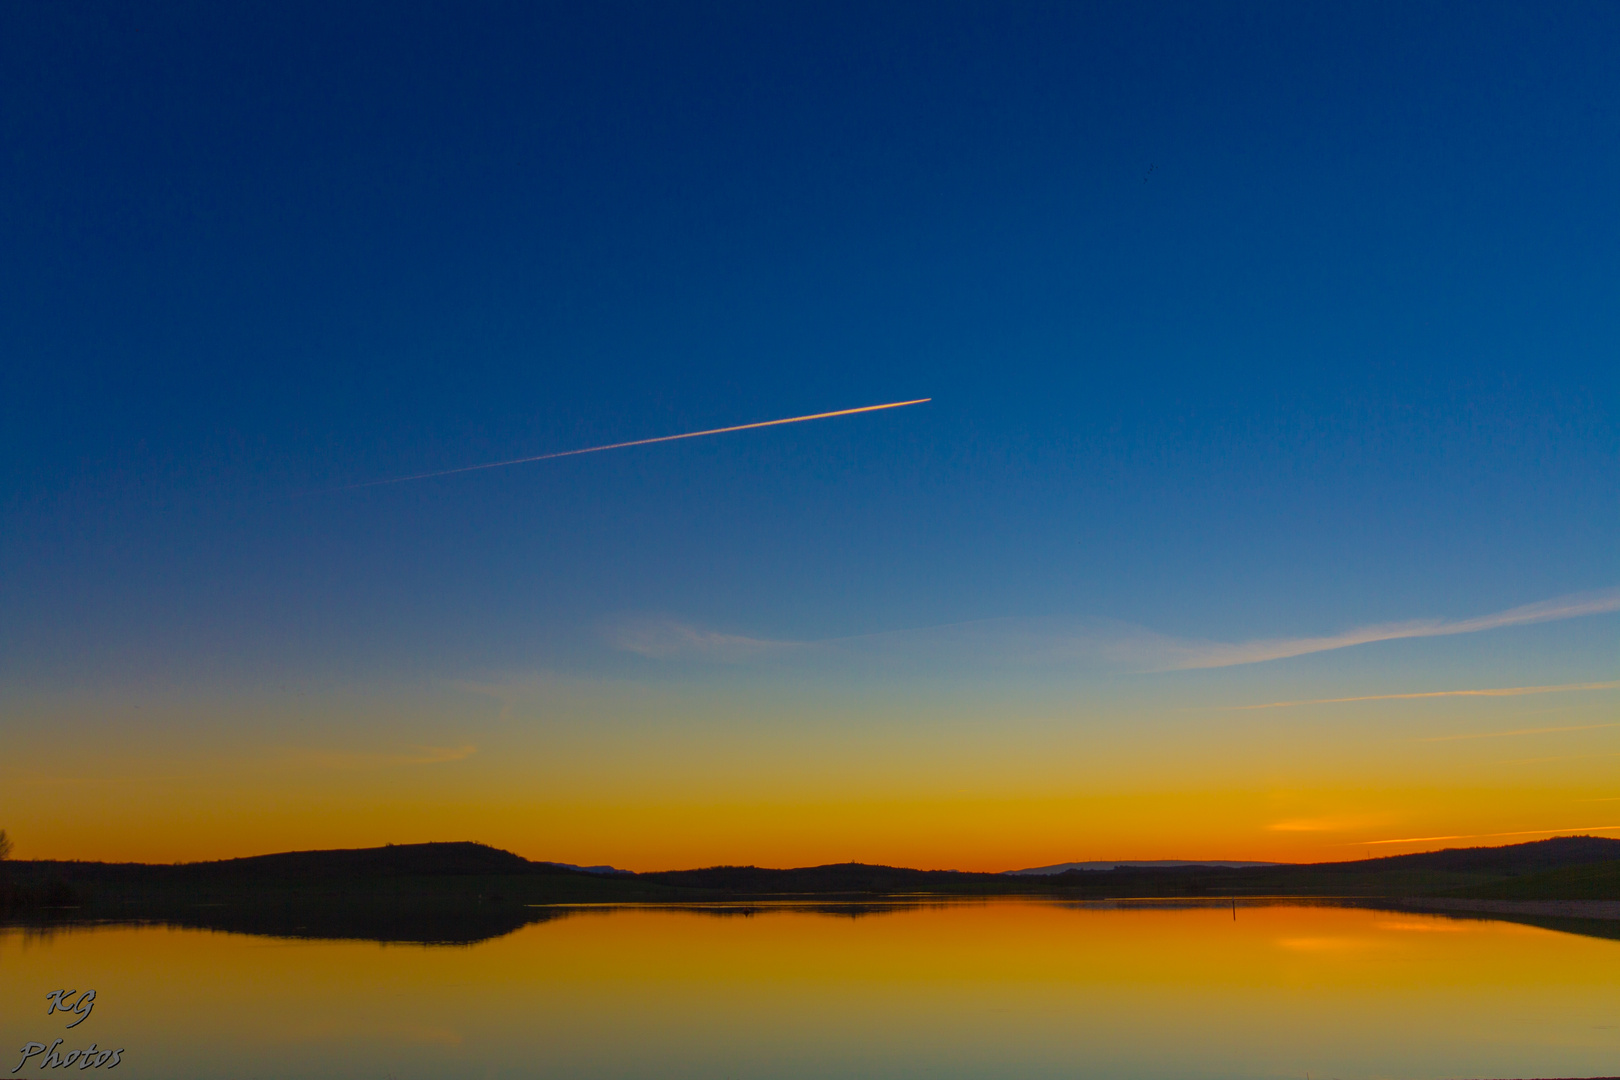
(427, 893)
(1526, 858)
(464, 891)
(1591, 881)
(1389, 875)
(393, 860)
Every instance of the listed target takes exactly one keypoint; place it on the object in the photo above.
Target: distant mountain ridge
(466, 892)
(603, 869)
(1136, 864)
(352, 868)
(436, 859)
(1530, 857)
(465, 857)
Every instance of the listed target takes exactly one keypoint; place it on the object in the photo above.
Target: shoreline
(1549, 909)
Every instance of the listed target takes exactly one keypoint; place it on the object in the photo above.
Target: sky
(1270, 362)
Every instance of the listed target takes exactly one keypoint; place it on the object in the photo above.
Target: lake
(1004, 988)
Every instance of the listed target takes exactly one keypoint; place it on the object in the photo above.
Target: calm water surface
(999, 989)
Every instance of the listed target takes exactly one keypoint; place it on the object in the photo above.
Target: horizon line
(1566, 832)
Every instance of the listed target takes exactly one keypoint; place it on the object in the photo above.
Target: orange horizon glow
(709, 845)
(675, 776)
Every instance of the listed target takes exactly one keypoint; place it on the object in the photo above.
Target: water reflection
(469, 925)
(908, 988)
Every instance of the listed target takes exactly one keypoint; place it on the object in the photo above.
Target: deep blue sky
(1240, 320)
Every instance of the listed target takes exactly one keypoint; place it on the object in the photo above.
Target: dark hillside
(420, 886)
(413, 892)
(394, 860)
(1595, 881)
(1537, 855)
(1394, 875)
(1420, 874)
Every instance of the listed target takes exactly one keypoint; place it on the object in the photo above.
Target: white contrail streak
(1503, 691)
(1486, 835)
(640, 442)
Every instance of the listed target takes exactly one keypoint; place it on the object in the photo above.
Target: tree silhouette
(5, 845)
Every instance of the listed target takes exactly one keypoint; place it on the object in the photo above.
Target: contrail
(1504, 691)
(1485, 835)
(639, 442)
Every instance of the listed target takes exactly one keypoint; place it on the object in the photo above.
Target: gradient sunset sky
(1273, 352)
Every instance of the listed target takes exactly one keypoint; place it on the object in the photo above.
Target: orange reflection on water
(963, 989)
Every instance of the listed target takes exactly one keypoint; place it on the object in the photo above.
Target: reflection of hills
(405, 925)
(1398, 875)
(842, 909)
(387, 925)
(467, 925)
(427, 893)
(1568, 924)
(464, 892)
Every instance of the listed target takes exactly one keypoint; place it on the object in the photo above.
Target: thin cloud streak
(1519, 731)
(664, 639)
(1560, 757)
(1570, 831)
(1214, 655)
(638, 442)
(1503, 691)
(1329, 824)
(1082, 645)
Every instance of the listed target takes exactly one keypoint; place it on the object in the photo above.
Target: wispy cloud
(1502, 691)
(1082, 644)
(1560, 757)
(666, 639)
(1327, 824)
(1516, 731)
(1211, 655)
